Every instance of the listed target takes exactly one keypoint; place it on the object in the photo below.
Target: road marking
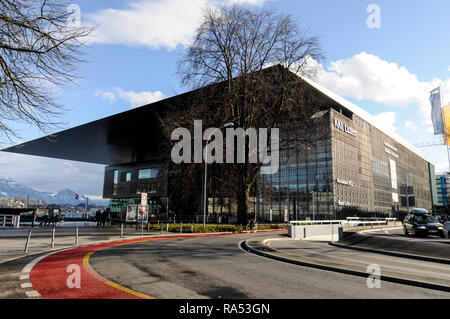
(113, 284)
(26, 285)
(129, 291)
(51, 270)
(24, 277)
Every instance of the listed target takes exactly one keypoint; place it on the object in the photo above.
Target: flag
(436, 112)
(446, 117)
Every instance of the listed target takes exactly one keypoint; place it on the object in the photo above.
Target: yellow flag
(446, 118)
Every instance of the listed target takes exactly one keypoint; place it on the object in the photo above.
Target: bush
(210, 228)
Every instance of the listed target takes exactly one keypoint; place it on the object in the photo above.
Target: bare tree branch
(39, 51)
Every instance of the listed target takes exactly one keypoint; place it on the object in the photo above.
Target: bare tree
(234, 48)
(39, 49)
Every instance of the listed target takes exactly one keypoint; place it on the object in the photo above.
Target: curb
(396, 280)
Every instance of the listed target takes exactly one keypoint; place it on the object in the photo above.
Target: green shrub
(210, 228)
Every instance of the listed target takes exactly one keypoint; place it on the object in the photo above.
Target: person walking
(35, 213)
(104, 217)
(98, 217)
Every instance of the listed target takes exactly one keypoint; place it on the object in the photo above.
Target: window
(115, 181)
(148, 173)
(128, 177)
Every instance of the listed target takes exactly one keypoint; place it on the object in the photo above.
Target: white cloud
(133, 99)
(107, 96)
(155, 24)
(411, 126)
(368, 77)
(386, 120)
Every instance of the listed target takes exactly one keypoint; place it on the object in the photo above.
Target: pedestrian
(252, 220)
(104, 217)
(98, 216)
(35, 213)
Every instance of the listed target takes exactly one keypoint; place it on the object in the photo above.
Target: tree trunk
(243, 198)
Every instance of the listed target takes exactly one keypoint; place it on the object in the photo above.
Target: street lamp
(206, 172)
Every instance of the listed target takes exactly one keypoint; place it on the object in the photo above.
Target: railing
(6, 220)
(349, 222)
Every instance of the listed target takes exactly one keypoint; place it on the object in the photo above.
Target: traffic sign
(144, 199)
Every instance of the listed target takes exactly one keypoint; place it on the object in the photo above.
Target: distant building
(443, 193)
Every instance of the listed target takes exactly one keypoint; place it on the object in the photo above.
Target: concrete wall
(316, 232)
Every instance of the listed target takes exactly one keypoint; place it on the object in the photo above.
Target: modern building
(443, 195)
(356, 169)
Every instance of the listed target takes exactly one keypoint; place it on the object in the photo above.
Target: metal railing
(349, 222)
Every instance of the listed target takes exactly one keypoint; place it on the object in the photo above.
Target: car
(420, 222)
(447, 229)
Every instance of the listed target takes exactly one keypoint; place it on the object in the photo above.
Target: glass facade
(303, 186)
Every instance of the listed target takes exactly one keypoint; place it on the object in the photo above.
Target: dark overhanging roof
(15, 211)
(112, 140)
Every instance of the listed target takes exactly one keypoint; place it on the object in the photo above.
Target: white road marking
(26, 285)
(24, 277)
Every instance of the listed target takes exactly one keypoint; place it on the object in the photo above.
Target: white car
(447, 229)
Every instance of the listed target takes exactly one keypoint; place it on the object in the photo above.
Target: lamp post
(206, 173)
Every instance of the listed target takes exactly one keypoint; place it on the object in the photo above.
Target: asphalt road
(399, 267)
(398, 234)
(216, 267)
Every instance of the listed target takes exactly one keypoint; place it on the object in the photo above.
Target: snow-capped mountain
(9, 188)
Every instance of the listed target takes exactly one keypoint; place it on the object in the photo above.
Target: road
(216, 267)
(398, 234)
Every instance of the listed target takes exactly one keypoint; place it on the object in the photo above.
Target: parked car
(420, 222)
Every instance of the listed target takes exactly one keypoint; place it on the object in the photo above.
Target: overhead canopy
(15, 211)
(112, 140)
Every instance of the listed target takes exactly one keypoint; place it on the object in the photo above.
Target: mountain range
(9, 188)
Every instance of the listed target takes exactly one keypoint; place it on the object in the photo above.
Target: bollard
(28, 241)
(121, 230)
(181, 227)
(161, 230)
(4, 221)
(76, 236)
(192, 228)
(167, 227)
(53, 236)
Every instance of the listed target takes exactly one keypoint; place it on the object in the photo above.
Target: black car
(420, 222)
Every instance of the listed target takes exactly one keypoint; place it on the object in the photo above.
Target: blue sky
(388, 71)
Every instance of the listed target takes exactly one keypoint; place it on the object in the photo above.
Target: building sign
(391, 147)
(395, 197)
(344, 127)
(393, 174)
(387, 150)
(343, 203)
(344, 182)
(391, 150)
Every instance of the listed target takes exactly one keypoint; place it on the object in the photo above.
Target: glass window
(115, 181)
(128, 177)
(148, 173)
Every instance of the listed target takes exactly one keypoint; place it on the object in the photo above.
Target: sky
(385, 56)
